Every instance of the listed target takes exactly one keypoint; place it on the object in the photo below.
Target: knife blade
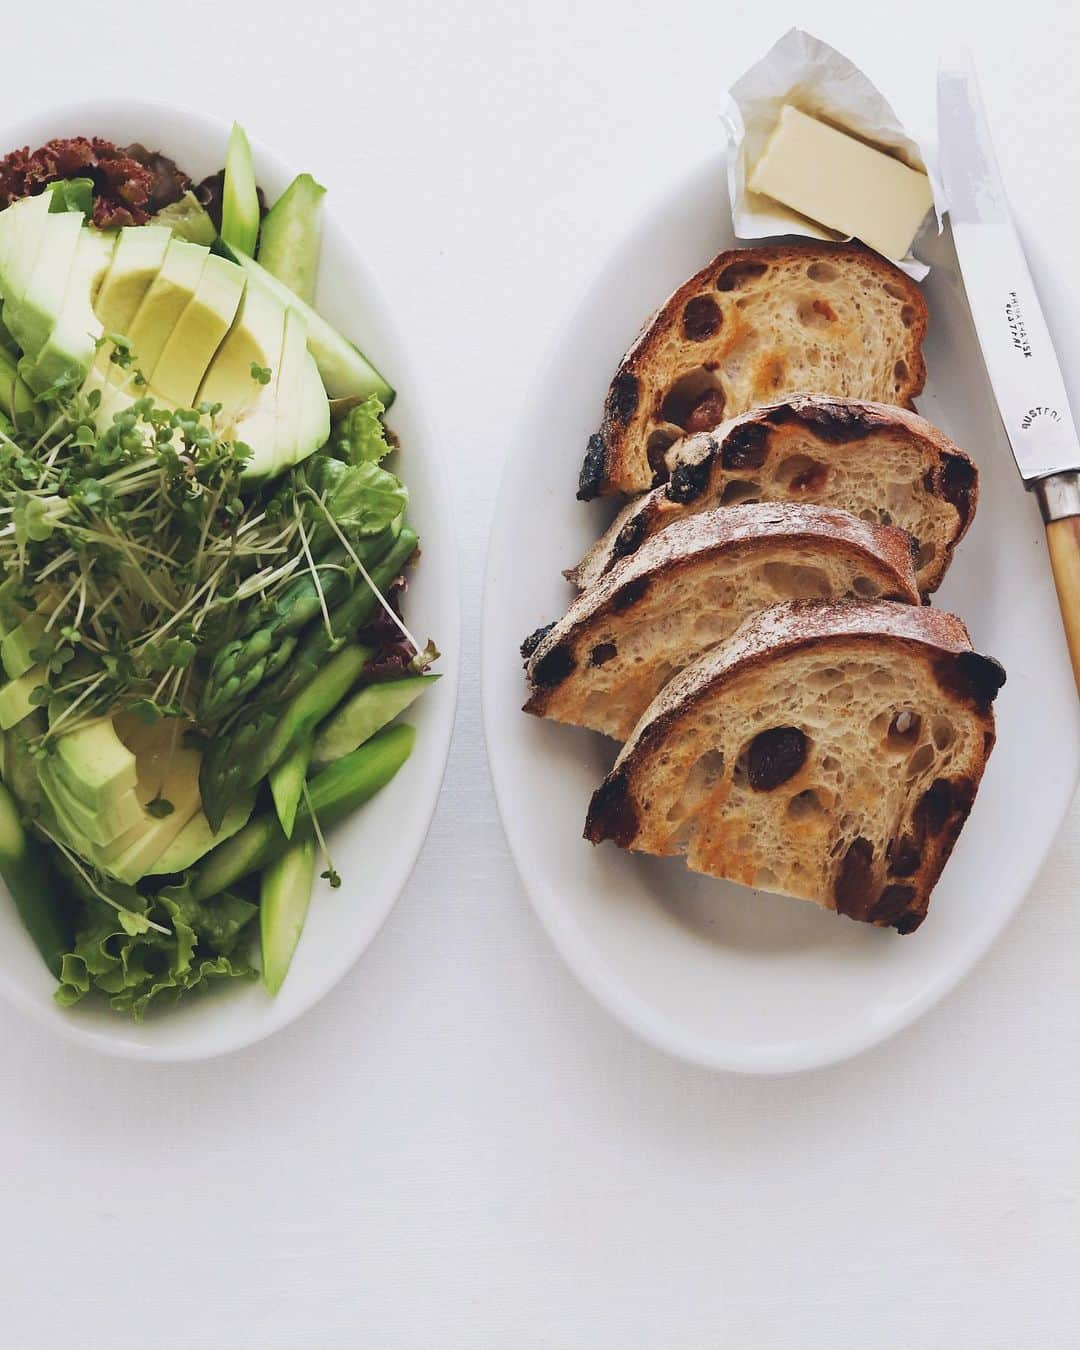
(1020, 359)
(1016, 345)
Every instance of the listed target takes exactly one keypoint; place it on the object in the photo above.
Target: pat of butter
(840, 182)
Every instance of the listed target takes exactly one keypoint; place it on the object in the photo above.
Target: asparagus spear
(353, 612)
(225, 766)
(315, 701)
(332, 795)
(266, 639)
(259, 739)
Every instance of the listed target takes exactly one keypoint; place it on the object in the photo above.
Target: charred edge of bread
(953, 477)
(624, 393)
(552, 652)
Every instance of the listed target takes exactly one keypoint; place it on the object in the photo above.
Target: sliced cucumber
(26, 866)
(333, 794)
(287, 784)
(364, 714)
(284, 897)
(188, 219)
(239, 195)
(344, 369)
(291, 234)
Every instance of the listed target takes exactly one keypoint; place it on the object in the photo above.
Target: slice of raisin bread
(882, 463)
(756, 326)
(826, 751)
(688, 588)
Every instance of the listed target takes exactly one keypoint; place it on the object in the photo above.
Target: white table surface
(457, 1149)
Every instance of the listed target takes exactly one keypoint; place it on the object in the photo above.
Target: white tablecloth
(458, 1150)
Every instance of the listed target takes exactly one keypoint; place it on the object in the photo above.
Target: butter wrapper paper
(816, 78)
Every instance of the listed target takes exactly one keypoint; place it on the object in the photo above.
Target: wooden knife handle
(1059, 499)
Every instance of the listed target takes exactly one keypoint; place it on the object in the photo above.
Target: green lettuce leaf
(137, 968)
(362, 498)
(72, 194)
(360, 436)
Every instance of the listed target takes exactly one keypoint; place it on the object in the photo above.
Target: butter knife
(1015, 341)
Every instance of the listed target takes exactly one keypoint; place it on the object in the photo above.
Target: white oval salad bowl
(726, 977)
(377, 847)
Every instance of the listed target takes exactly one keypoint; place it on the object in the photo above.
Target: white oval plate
(375, 851)
(726, 977)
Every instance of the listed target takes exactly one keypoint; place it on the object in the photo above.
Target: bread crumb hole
(740, 490)
(792, 581)
(941, 732)
(904, 730)
(805, 804)
(815, 313)
(866, 587)
(821, 271)
(920, 761)
(801, 473)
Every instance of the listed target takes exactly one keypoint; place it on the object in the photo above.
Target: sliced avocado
(31, 319)
(168, 295)
(290, 390)
(313, 430)
(101, 825)
(16, 646)
(345, 371)
(254, 339)
(196, 839)
(21, 241)
(95, 763)
(166, 771)
(140, 252)
(199, 332)
(69, 352)
(15, 696)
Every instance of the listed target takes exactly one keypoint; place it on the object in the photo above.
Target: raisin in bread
(882, 463)
(826, 751)
(688, 588)
(756, 326)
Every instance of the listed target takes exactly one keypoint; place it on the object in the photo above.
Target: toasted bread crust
(705, 311)
(755, 657)
(799, 541)
(747, 452)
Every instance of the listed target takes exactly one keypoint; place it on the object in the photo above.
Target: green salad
(203, 555)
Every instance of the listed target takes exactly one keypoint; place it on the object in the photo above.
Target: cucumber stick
(43, 905)
(318, 699)
(287, 784)
(284, 896)
(332, 795)
(291, 233)
(239, 195)
(344, 369)
(364, 714)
